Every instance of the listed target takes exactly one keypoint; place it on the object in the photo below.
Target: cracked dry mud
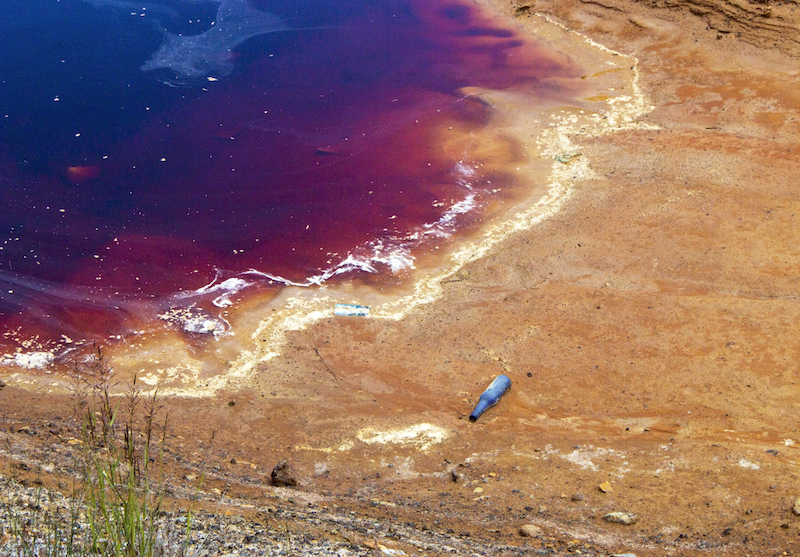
(649, 329)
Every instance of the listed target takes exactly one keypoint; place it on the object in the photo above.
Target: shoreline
(301, 312)
(294, 308)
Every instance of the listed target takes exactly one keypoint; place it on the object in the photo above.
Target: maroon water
(305, 154)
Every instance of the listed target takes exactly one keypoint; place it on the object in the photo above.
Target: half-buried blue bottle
(491, 396)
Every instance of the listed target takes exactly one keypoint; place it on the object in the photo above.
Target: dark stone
(283, 475)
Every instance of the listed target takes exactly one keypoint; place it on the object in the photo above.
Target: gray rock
(621, 518)
(796, 508)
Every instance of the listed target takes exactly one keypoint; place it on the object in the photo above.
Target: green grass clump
(116, 504)
(122, 471)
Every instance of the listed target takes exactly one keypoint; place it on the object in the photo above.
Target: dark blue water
(152, 149)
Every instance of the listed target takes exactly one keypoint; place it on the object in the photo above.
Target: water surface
(181, 153)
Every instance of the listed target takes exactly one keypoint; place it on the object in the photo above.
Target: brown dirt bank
(650, 330)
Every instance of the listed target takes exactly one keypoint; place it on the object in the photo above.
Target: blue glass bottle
(491, 396)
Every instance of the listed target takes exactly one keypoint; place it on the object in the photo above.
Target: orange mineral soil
(646, 312)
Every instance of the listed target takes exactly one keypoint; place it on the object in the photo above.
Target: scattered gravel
(312, 531)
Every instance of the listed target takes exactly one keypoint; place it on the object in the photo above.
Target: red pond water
(137, 164)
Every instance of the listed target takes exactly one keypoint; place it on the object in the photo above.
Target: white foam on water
(225, 289)
(193, 320)
(465, 173)
(445, 226)
(201, 325)
(29, 360)
(397, 257)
